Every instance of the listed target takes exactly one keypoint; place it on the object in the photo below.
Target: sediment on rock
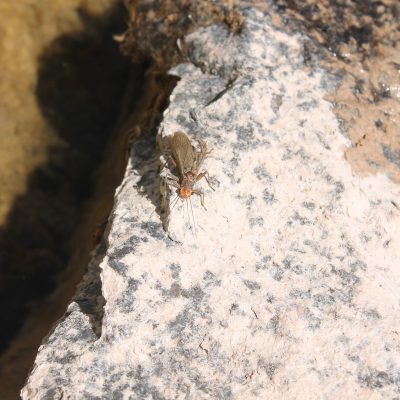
(359, 42)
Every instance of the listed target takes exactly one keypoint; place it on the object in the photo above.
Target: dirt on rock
(362, 48)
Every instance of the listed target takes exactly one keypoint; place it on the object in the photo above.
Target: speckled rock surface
(286, 287)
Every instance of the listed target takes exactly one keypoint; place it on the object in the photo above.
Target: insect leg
(205, 175)
(175, 184)
(203, 148)
(201, 194)
(167, 163)
(172, 161)
(174, 179)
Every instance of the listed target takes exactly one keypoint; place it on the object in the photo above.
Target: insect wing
(182, 152)
(201, 155)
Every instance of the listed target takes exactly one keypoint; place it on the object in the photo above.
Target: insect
(187, 161)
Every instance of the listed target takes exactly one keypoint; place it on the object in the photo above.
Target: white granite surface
(287, 287)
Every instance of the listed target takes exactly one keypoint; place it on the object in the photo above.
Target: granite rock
(286, 287)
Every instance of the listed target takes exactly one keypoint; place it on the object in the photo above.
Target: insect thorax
(185, 192)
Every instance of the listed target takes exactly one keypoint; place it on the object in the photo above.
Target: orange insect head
(185, 192)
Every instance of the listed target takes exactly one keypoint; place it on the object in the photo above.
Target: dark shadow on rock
(145, 154)
(145, 160)
(81, 83)
(89, 295)
(144, 157)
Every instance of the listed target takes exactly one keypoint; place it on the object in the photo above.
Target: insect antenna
(191, 209)
(174, 201)
(188, 214)
(187, 209)
(155, 209)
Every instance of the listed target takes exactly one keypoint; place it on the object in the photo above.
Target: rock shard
(286, 287)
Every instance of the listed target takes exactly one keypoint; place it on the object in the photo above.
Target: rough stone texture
(362, 45)
(287, 287)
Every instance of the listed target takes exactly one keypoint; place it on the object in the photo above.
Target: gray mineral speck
(273, 292)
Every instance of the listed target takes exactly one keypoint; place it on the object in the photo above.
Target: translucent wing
(182, 152)
(201, 155)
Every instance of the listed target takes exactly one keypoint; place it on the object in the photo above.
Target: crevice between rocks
(135, 137)
(145, 96)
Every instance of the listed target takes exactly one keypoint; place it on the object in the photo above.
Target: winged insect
(187, 161)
